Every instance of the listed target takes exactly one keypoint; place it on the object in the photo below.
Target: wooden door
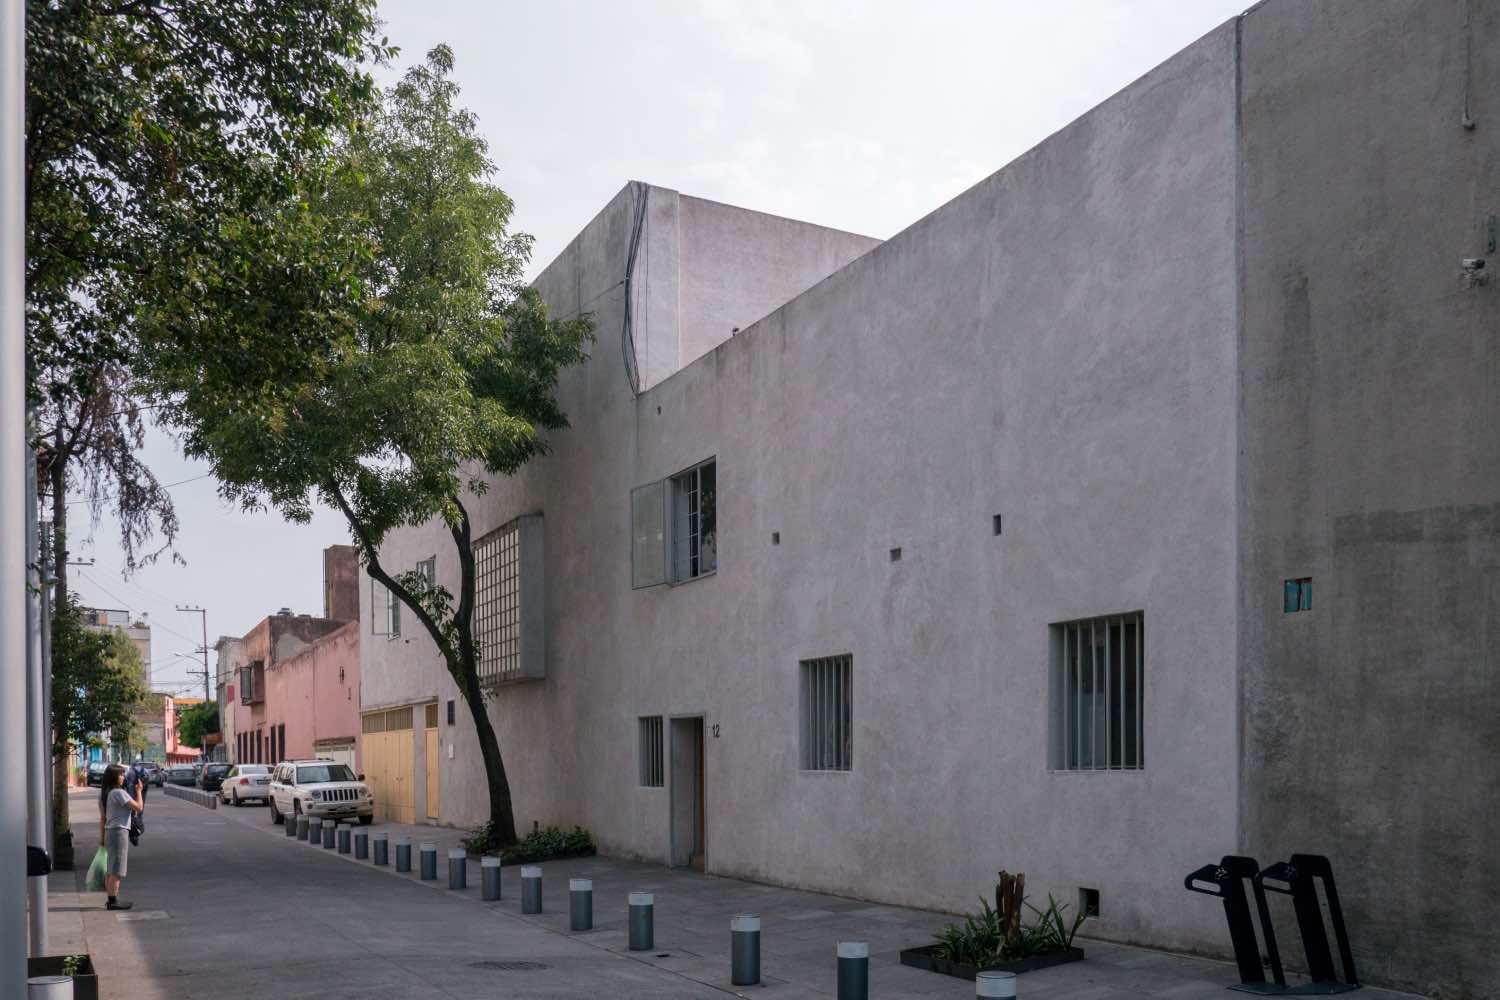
(389, 764)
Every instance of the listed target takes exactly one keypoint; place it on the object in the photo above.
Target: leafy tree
(149, 122)
(196, 721)
(389, 373)
(98, 681)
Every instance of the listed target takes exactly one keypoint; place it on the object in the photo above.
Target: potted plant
(994, 937)
(79, 967)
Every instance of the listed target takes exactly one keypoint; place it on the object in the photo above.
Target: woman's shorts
(117, 845)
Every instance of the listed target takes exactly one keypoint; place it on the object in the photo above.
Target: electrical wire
(166, 486)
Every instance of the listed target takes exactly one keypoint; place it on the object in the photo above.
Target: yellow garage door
(434, 789)
(390, 769)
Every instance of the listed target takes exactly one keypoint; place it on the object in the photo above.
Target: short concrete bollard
(403, 854)
(458, 868)
(428, 851)
(314, 830)
(489, 870)
(744, 950)
(290, 822)
(642, 921)
(302, 826)
(49, 988)
(531, 889)
(382, 848)
(330, 830)
(581, 904)
(995, 984)
(854, 970)
(361, 844)
(346, 839)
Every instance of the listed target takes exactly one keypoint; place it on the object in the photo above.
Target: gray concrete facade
(1164, 346)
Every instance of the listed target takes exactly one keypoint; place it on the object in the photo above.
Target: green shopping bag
(95, 880)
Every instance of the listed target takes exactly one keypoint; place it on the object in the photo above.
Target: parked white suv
(321, 787)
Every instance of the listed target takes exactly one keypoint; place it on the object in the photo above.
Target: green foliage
(980, 940)
(541, 845)
(367, 344)
(196, 721)
(98, 680)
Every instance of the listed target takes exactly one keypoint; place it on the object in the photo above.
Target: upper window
(1099, 694)
(385, 611)
(497, 561)
(1296, 595)
(674, 527)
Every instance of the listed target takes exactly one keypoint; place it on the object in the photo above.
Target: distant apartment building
(135, 627)
(290, 686)
(229, 654)
(875, 569)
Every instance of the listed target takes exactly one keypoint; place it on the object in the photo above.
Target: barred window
(652, 766)
(497, 561)
(828, 713)
(1099, 694)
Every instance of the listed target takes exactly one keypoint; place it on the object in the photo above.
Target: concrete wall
(341, 580)
(1371, 463)
(1056, 345)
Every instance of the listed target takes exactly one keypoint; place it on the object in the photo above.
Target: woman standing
(115, 807)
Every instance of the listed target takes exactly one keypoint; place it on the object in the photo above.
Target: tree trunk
(502, 812)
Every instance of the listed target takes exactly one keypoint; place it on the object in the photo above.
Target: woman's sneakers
(115, 904)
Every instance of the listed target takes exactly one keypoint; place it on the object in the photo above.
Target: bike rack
(1227, 879)
(1295, 878)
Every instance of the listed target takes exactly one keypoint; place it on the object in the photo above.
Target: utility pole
(37, 758)
(203, 615)
(13, 448)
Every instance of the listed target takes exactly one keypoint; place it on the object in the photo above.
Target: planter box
(85, 980)
(926, 958)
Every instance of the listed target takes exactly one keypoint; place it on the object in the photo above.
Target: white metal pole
(12, 492)
(36, 737)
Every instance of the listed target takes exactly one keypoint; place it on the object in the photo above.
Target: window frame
(651, 758)
(825, 714)
(656, 556)
(1074, 720)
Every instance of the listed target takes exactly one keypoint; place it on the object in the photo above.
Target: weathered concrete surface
(1371, 462)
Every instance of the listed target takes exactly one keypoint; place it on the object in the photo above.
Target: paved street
(227, 905)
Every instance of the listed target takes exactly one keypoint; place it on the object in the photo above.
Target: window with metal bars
(497, 613)
(1099, 693)
(652, 763)
(827, 710)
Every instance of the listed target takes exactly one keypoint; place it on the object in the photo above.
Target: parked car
(211, 776)
(322, 788)
(246, 783)
(96, 772)
(182, 774)
(152, 771)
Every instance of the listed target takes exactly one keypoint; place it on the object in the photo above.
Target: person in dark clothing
(138, 777)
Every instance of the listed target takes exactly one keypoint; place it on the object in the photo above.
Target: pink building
(298, 676)
(176, 753)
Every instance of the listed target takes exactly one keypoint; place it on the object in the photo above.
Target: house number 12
(715, 730)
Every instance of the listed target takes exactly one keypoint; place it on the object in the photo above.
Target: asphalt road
(222, 909)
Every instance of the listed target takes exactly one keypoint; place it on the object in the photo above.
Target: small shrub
(540, 845)
(980, 940)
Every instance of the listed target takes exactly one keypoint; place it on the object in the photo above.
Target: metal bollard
(995, 984)
(329, 831)
(290, 822)
(429, 861)
(458, 868)
(403, 854)
(642, 921)
(744, 950)
(581, 904)
(531, 889)
(345, 838)
(302, 826)
(314, 830)
(49, 988)
(361, 844)
(854, 970)
(489, 867)
(382, 848)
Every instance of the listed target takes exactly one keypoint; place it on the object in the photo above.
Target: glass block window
(497, 618)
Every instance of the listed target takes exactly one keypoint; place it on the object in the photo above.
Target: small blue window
(1296, 595)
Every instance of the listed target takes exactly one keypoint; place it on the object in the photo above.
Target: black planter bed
(525, 858)
(85, 981)
(926, 958)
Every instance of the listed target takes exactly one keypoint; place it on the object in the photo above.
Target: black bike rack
(1295, 878)
(1226, 880)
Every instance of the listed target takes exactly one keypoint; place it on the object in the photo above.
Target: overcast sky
(863, 115)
